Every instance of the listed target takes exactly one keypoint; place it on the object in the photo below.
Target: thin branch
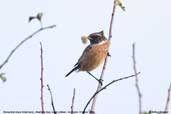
(41, 80)
(100, 90)
(168, 100)
(22, 42)
(54, 111)
(136, 79)
(73, 99)
(112, 19)
(105, 62)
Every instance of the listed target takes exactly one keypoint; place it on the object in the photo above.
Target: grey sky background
(147, 23)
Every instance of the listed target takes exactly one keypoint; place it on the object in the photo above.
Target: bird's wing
(86, 50)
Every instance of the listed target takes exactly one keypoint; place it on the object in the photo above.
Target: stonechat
(93, 55)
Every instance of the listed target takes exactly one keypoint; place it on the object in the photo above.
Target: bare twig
(136, 79)
(168, 100)
(22, 42)
(112, 19)
(112, 82)
(54, 111)
(72, 105)
(41, 80)
(105, 62)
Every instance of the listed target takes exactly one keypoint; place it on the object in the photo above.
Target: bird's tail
(75, 68)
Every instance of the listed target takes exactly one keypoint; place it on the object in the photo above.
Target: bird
(93, 55)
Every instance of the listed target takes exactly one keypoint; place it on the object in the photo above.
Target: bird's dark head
(96, 37)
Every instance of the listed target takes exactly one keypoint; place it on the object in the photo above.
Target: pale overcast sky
(145, 22)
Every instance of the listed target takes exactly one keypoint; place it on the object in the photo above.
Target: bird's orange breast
(93, 56)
